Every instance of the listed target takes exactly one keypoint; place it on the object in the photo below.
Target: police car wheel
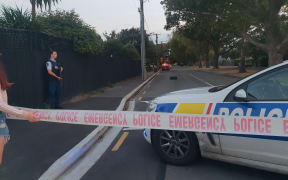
(176, 147)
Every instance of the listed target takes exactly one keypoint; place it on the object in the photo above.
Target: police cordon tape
(169, 121)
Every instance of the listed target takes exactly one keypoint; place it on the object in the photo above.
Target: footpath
(33, 148)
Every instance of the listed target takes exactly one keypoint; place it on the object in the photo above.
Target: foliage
(113, 48)
(131, 52)
(260, 57)
(16, 18)
(151, 53)
(112, 36)
(190, 17)
(132, 38)
(46, 3)
(40, 3)
(266, 20)
(68, 25)
(247, 20)
(116, 49)
(184, 50)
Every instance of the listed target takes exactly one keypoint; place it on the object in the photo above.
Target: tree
(266, 17)
(185, 50)
(68, 25)
(131, 52)
(132, 36)
(200, 20)
(15, 18)
(271, 20)
(114, 48)
(177, 49)
(240, 24)
(122, 44)
(151, 53)
(209, 33)
(40, 3)
(112, 36)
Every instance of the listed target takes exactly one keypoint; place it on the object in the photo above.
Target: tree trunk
(207, 63)
(216, 56)
(242, 60)
(200, 64)
(274, 57)
(49, 6)
(207, 60)
(33, 2)
(242, 68)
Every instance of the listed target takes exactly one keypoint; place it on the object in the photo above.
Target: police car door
(267, 96)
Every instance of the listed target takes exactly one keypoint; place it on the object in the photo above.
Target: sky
(108, 15)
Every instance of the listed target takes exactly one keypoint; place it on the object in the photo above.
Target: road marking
(120, 141)
(83, 164)
(144, 92)
(201, 80)
(88, 160)
(140, 98)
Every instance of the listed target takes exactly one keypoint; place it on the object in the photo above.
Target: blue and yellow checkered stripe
(184, 108)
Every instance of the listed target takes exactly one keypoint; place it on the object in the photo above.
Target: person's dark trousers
(54, 94)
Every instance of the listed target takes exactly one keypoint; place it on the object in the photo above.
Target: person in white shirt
(5, 108)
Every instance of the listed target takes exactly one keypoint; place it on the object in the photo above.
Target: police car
(264, 94)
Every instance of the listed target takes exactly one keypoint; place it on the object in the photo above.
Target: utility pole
(141, 10)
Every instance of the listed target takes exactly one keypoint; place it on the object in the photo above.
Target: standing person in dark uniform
(54, 77)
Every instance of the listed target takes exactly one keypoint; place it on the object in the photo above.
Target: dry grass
(231, 70)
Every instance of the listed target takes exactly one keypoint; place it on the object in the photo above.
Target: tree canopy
(15, 18)
(221, 23)
(68, 25)
(132, 38)
(40, 4)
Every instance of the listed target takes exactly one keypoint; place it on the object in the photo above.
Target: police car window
(273, 86)
(219, 88)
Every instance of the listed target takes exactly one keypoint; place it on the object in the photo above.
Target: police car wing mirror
(241, 95)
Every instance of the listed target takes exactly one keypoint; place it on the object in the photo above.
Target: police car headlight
(152, 107)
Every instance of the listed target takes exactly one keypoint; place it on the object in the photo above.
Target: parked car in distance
(165, 66)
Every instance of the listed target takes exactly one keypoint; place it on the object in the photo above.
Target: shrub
(15, 18)
(69, 26)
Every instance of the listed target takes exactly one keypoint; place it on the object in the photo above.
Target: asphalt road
(135, 158)
(33, 148)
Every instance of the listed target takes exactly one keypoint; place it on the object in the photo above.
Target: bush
(131, 39)
(15, 18)
(69, 26)
(116, 49)
(113, 48)
(131, 52)
(263, 61)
